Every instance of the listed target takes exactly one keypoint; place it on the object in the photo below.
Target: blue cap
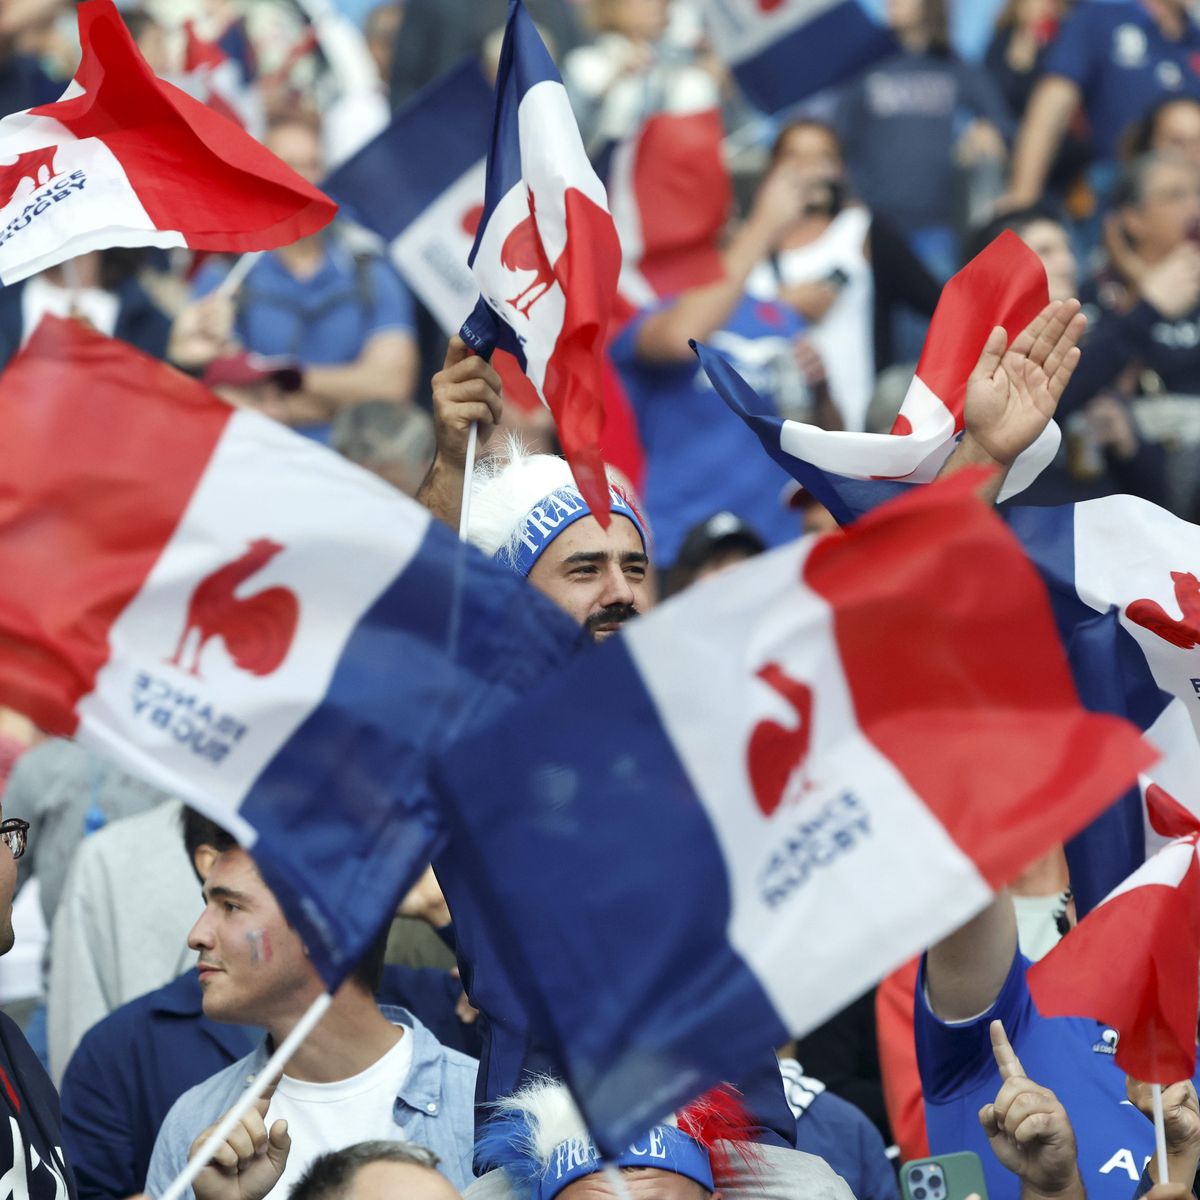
(664, 1147)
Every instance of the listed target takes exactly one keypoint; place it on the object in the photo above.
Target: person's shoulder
(209, 1099)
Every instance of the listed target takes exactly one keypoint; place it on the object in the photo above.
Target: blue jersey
(700, 457)
(1122, 64)
(1072, 1056)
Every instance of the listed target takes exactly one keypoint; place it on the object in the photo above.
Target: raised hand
(1181, 1122)
(249, 1162)
(1014, 390)
(1028, 1128)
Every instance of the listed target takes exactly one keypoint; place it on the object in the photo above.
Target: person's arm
(1029, 1130)
(965, 971)
(1013, 392)
(386, 369)
(465, 390)
(663, 336)
(1050, 109)
(1181, 1121)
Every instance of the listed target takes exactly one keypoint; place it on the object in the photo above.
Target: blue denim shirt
(435, 1107)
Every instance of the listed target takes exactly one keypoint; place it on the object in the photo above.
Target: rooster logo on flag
(546, 254)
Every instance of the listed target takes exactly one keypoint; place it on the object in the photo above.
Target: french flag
(419, 185)
(1128, 616)
(546, 256)
(1148, 992)
(246, 620)
(1004, 285)
(782, 51)
(831, 755)
(671, 196)
(126, 159)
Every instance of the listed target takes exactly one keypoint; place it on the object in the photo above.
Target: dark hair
(804, 123)
(1130, 188)
(1138, 139)
(330, 1175)
(199, 831)
(1018, 221)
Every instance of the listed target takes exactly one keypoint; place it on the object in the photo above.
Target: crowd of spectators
(152, 967)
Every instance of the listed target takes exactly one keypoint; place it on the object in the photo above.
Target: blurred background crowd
(1075, 125)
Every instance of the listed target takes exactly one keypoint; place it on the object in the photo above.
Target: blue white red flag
(1128, 612)
(1004, 285)
(246, 620)
(782, 51)
(127, 159)
(419, 185)
(546, 255)
(807, 769)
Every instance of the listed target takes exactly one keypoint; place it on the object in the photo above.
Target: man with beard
(526, 511)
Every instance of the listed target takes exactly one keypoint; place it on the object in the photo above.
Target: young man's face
(600, 577)
(642, 1183)
(253, 969)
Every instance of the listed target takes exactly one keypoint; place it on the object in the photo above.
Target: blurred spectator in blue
(436, 35)
(912, 125)
(1116, 58)
(23, 83)
(342, 318)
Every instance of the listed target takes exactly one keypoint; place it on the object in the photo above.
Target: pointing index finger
(1006, 1056)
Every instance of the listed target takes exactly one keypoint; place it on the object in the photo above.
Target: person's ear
(203, 859)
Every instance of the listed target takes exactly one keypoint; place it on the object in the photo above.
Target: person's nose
(617, 588)
(201, 935)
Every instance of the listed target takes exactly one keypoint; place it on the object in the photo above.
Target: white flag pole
(274, 1067)
(1160, 1132)
(464, 518)
(238, 272)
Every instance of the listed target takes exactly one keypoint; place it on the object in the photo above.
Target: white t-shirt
(844, 336)
(330, 1116)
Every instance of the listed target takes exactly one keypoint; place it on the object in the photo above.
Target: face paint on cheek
(259, 942)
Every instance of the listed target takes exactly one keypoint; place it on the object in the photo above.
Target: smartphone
(943, 1177)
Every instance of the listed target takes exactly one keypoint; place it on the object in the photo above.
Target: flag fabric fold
(761, 792)
(1112, 570)
(1149, 991)
(546, 255)
(783, 51)
(246, 620)
(127, 159)
(1004, 285)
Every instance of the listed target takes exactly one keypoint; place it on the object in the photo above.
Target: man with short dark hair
(362, 1072)
(375, 1171)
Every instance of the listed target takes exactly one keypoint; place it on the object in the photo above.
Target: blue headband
(549, 517)
(664, 1147)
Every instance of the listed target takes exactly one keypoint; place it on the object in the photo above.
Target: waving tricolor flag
(245, 619)
(1004, 285)
(1128, 616)
(781, 51)
(832, 755)
(546, 256)
(126, 159)
(1149, 990)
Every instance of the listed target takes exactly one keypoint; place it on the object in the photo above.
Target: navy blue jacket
(127, 1072)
